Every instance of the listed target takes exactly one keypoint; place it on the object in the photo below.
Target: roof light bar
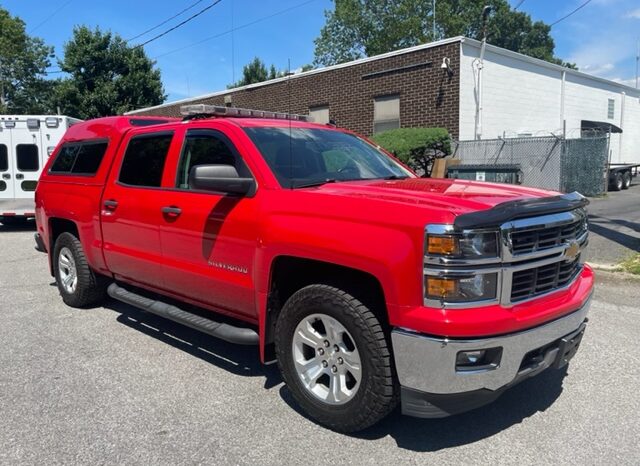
(220, 111)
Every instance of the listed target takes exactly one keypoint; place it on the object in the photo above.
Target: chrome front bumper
(428, 364)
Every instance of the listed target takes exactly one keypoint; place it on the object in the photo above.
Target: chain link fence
(543, 162)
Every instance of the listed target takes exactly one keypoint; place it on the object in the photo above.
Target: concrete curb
(605, 267)
(613, 271)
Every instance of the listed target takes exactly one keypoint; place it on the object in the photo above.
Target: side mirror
(221, 178)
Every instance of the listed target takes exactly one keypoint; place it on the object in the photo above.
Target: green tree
(256, 72)
(273, 73)
(360, 28)
(253, 72)
(23, 60)
(107, 76)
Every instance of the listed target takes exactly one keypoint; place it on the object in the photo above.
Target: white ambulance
(26, 141)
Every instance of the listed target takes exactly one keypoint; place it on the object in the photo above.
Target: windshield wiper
(315, 183)
(395, 177)
(320, 182)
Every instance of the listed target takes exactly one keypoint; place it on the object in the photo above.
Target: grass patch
(632, 265)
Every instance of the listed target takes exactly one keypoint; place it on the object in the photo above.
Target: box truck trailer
(26, 141)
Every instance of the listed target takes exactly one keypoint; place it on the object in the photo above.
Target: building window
(386, 113)
(611, 107)
(320, 114)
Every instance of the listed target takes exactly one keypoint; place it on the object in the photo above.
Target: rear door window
(4, 158)
(27, 157)
(144, 159)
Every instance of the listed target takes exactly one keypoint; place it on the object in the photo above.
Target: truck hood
(456, 196)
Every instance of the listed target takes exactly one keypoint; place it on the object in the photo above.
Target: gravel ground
(614, 222)
(112, 385)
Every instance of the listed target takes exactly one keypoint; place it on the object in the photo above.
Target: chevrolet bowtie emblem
(572, 250)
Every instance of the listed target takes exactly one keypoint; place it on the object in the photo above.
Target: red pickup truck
(368, 285)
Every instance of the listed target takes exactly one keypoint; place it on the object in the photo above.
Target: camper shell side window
(81, 158)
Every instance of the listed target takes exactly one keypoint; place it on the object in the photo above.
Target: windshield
(312, 156)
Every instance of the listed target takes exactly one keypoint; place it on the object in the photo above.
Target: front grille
(532, 282)
(528, 241)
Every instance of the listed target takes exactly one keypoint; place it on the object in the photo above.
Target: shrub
(417, 147)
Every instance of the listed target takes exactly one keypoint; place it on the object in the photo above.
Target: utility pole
(637, 61)
(480, 65)
(2, 101)
(233, 49)
(433, 15)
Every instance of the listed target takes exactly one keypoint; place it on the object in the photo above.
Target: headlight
(462, 245)
(477, 287)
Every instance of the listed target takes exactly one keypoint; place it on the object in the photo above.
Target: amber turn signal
(442, 245)
(441, 287)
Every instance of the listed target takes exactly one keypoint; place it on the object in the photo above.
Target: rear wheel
(617, 182)
(626, 180)
(335, 359)
(77, 283)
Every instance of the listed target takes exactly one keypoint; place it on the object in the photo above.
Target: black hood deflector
(521, 208)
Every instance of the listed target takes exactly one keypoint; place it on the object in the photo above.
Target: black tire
(626, 180)
(377, 394)
(91, 287)
(617, 182)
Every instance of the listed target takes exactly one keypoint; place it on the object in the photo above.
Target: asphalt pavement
(614, 224)
(113, 385)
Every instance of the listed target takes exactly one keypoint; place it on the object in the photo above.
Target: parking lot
(114, 385)
(614, 223)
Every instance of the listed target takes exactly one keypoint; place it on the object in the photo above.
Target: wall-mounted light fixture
(446, 65)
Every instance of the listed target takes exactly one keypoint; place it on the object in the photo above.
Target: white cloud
(598, 56)
(598, 69)
(631, 82)
(635, 14)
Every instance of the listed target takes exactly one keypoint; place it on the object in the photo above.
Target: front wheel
(77, 283)
(335, 359)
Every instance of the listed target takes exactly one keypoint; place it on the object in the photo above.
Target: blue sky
(601, 38)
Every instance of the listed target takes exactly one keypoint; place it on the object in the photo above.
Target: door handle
(110, 204)
(6, 176)
(171, 211)
(19, 176)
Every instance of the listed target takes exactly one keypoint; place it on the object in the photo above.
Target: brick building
(405, 88)
(448, 84)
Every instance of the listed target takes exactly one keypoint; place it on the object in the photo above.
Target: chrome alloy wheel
(326, 359)
(67, 270)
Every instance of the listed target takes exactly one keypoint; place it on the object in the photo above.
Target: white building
(525, 96)
(442, 84)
